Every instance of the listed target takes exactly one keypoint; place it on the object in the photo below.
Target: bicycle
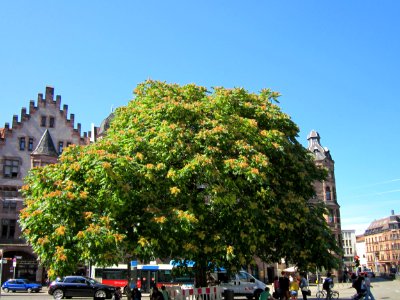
(321, 295)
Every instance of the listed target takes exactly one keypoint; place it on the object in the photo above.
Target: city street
(382, 290)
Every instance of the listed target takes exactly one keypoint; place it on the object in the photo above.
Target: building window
(43, 121)
(51, 122)
(328, 193)
(8, 228)
(60, 147)
(22, 143)
(11, 168)
(330, 217)
(9, 206)
(30, 144)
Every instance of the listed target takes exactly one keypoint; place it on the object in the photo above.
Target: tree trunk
(201, 274)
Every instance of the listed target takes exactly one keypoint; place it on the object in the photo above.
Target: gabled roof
(383, 224)
(46, 146)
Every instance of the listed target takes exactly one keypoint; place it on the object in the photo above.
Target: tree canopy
(182, 173)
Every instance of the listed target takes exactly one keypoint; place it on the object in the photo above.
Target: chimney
(392, 212)
(49, 93)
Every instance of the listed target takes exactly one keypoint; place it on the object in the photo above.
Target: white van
(241, 283)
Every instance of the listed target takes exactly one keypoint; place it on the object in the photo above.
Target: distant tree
(214, 177)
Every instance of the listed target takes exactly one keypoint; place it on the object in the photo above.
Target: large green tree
(214, 177)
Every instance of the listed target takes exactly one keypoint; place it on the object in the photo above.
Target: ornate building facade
(326, 190)
(36, 139)
(382, 245)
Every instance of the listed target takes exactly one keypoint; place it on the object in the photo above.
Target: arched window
(328, 193)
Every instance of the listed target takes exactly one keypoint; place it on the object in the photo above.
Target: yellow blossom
(106, 165)
(60, 230)
(139, 156)
(160, 220)
(88, 214)
(174, 190)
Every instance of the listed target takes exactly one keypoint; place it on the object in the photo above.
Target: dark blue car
(14, 285)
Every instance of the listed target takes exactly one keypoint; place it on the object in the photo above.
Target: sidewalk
(381, 289)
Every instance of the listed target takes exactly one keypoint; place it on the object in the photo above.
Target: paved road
(382, 290)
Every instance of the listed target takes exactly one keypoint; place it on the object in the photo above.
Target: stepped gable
(42, 102)
(46, 146)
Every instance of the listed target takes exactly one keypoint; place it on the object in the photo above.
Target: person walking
(368, 286)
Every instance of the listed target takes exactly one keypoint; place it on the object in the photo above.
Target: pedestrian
(118, 294)
(265, 295)
(156, 294)
(304, 285)
(328, 285)
(284, 283)
(345, 275)
(359, 285)
(165, 293)
(137, 295)
(368, 286)
(294, 288)
(277, 291)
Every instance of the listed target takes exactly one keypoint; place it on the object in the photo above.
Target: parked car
(80, 286)
(15, 285)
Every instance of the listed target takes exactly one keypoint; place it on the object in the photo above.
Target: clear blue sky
(336, 64)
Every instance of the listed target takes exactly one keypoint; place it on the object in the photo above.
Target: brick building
(35, 140)
(382, 243)
(326, 190)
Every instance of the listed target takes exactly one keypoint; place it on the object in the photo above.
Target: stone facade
(326, 190)
(22, 146)
(382, 244)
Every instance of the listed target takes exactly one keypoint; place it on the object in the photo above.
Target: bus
(144, 276)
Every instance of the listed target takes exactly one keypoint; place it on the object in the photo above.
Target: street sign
(18, 257)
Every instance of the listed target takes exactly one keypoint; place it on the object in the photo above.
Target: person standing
(156, 294)
(284, 283)
(277, 290)
(137, 295)
(294, 288)
(165, 293)
(304, 285)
